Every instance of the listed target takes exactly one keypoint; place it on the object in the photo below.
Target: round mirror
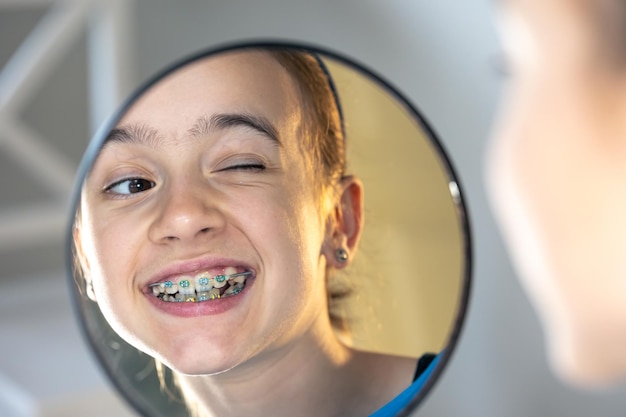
(269, 229)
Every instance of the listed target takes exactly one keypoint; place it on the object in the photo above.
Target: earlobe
(346, 224)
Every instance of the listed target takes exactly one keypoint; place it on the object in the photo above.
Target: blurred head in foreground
(557, 176)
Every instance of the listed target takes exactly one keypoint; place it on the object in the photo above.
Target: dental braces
(203, 295)
(202, 281)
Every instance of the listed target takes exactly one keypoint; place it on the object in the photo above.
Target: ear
(82, 262)
(345, 222)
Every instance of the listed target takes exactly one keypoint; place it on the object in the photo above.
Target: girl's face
(206, 173)
(557, 176)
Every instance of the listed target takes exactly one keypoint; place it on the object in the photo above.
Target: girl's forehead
(249, 82)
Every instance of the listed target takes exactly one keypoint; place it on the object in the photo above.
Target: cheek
(532, 189)
(555, 187)
(285, 226)
(113, 252)
(544, 145)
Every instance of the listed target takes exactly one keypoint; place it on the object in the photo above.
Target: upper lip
(196, 265)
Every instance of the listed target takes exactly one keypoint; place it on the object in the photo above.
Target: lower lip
(202, 308)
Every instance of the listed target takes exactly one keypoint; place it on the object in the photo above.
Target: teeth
(187, 286)
(204, 282)
(220, 281)
(214, 293)
(170, 287)
(232, 290)
(237, 280)
(167, 287)
(202, 287)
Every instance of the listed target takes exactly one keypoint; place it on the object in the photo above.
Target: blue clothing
(393, 407)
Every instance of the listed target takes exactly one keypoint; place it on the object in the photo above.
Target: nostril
(205, 230)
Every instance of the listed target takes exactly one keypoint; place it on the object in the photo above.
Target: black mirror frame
(457, 196)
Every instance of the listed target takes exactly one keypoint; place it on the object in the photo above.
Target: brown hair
(326, 141)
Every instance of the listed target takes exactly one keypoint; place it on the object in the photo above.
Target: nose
(186, 213)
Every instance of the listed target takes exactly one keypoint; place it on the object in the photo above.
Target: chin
(207, 366)
(195, 359)
(588, 364)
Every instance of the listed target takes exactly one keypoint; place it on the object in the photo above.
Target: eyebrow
(145, 135)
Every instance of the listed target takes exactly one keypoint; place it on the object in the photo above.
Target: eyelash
(245, 167)
(257, 167)
(109, 189)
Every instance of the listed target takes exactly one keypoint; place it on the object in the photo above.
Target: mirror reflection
(269, 230)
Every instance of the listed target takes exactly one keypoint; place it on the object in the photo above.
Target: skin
(557, 179)
(238, 193)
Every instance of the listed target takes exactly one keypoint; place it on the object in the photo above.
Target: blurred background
(66, 64)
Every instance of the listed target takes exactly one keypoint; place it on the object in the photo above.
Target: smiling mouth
(201, 287)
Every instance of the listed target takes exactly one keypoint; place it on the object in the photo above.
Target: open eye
(130, 186)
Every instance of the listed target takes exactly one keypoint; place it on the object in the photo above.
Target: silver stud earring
(341, 255)
(90, 291)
